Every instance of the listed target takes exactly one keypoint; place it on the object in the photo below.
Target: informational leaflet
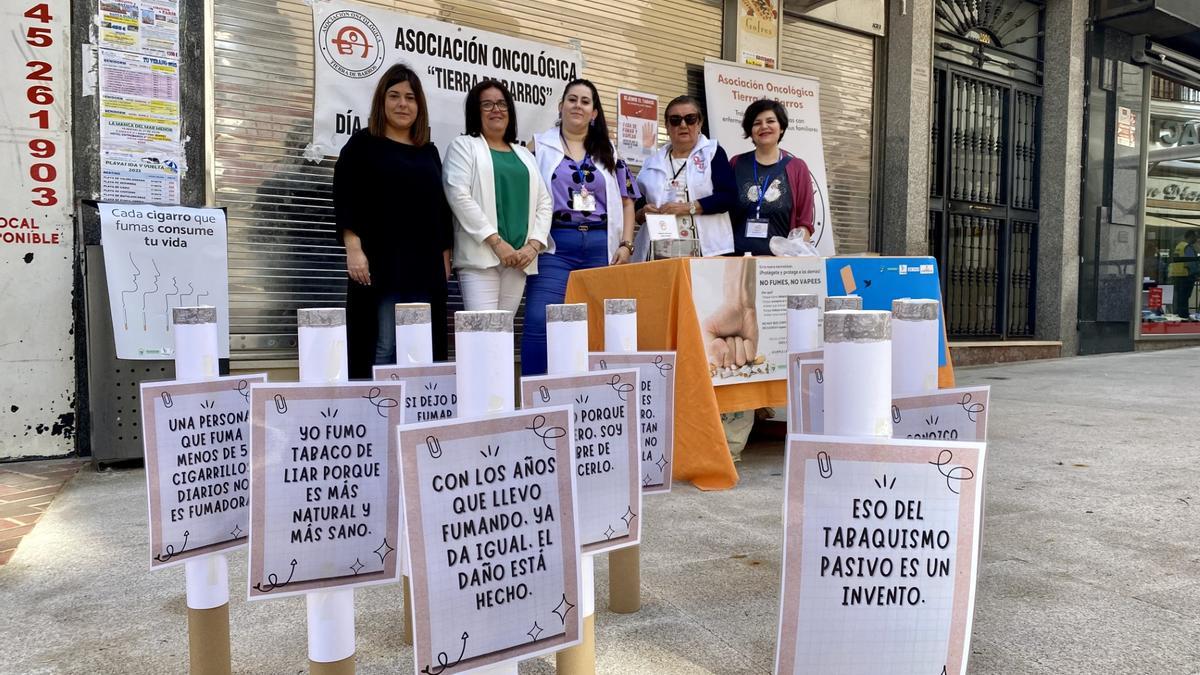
(197, 442)
(157, 258)
(148, 27)
(139, 178)
(944, 415)
(355, 42)
(324, 487)
(742, 307)
(656, 410)
(490, 510)
(637, 126)
(607, 451)
(880, 555)
(139, 100)
(430, 391)
(806, 392)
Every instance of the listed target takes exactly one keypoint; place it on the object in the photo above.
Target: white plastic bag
(793, 245)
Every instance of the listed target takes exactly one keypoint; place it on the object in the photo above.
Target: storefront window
(1171, 261)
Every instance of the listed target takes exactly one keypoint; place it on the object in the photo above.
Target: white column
(802, 318)
(914, 346)
(414, 333)
(484, 377)
(197, 358)
(620, 325)
(322, 338)
(858, 373)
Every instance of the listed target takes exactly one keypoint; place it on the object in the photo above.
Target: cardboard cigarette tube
(414, 333)
(914, 346)
(484, 378)
(802, 311)
(566, 353)
(414, 346)
(322, 341)
(207, 578)
(835, 303)
(624, 565)
(858, 373)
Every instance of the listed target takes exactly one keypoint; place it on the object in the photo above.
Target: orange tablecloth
(667, 321)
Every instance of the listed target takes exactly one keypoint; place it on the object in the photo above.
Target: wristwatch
(628, 245)
(692, 208)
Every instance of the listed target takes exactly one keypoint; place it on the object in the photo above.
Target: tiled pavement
(26, 490)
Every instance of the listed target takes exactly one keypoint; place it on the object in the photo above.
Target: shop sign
(1178, 194)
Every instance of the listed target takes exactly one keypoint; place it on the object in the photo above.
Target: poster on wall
(741, 304)
(881, 534)
(148, 27)
(490, 510)
(355, 43)
(730, 88)
(324, 487)
(758, 24)
(637, 126)
(157, 258)
(37, 242)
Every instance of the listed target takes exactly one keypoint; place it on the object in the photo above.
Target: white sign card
(607, 451)
(794, 409)
(356, 43)
(197, 438)
(944, 415)
(430, 391)
(491, 514)
(880, 555)
(324, 487)
(157, 258)
(661, 227)
(730, 88)
(741, 304)
(656, 410)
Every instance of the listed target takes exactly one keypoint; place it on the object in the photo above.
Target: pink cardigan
(802, 199)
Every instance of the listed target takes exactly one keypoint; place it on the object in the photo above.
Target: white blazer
(471, 191)
(714, 230)
(549, 152)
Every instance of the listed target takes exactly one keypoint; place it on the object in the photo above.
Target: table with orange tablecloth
(667, 321)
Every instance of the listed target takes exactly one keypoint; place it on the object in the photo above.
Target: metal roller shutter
(282, 254)
(844, 62)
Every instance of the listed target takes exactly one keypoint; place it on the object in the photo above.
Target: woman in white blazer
(501, 206)
(593, 195)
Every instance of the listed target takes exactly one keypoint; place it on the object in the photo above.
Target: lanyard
(671, 160)
(762, 187)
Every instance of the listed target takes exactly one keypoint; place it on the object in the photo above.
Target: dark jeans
(1183, 295)
(385, 341)
(573, 250)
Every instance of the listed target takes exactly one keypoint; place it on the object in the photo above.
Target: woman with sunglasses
(775, 193)
(392, 255)
(501, 206)
(593, 194)
(689, 178)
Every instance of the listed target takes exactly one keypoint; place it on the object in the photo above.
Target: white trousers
(494, 288)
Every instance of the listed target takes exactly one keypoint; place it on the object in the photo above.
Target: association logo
(351, 44)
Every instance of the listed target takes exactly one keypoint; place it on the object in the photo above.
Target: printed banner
(880, 555)
(729, 89)
(742, 307)
(355, 43)
(324, 487)
(157, 258)
(656, 410)
(607, 451)
(430, 391)
(637, 126)
(490, 511)
(943, 415)
(197, 440)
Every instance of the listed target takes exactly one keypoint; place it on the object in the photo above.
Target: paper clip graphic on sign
(166, 399)
(896, 414)
(824, 464)
(280, 404)
(434, 445)
(545, 393)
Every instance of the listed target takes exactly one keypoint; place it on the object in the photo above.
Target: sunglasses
(679, 120)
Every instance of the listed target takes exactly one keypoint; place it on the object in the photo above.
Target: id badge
(677, 191)
(584, 200)
(756, 228)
